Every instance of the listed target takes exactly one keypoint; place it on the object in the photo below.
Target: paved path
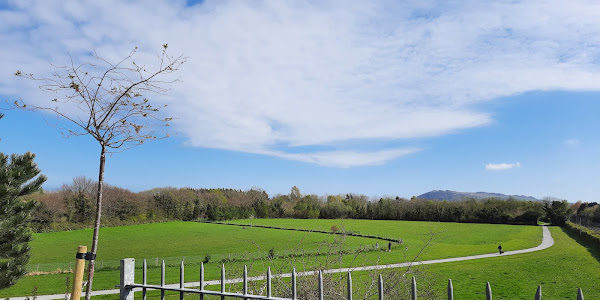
(547, 242)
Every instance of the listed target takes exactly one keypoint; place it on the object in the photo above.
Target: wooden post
(78, 274)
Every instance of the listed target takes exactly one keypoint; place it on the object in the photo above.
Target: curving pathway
(547, 242)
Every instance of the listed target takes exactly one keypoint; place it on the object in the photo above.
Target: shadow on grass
(592, 249)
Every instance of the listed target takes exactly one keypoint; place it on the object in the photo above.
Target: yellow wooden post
(78, 273)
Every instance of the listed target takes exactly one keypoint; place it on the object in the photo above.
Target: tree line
(72, 206)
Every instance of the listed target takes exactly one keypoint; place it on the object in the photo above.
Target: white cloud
(270, 76)
(501, 166)
(346, 159)
(572, 142)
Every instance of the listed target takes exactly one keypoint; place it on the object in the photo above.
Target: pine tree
(17, 180)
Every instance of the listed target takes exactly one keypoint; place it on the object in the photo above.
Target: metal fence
(128, 286)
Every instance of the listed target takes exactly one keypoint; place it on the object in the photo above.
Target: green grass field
(560, 270)
(173, 240)
(450, 240)
(563, 267)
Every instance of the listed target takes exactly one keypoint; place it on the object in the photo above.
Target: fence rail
(128, 286)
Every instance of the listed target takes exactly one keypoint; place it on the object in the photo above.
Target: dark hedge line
(586, 234)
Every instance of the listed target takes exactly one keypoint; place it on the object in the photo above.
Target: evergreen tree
(17, 179)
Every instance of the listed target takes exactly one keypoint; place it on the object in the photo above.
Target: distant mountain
(457, 196)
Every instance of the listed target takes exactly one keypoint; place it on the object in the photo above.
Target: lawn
(560, 270)
(449, 239)
(173, 240)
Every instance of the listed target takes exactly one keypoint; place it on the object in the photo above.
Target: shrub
(206, 258)
(334, 229)
(585, 233)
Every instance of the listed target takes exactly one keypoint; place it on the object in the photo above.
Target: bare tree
(107, 101)
(80, 185)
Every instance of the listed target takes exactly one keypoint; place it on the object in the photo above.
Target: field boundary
(339, 232)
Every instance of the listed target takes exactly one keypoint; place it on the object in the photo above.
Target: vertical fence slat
(413, 289)
(349, 286)
(488, 291)
(538, 293)
(294, 284)
(320, 285)
(201, 287)
(579, 294)
(269, 283)
(127, 278)
(162, 280)
(223, 280)
(450, 290)
(181, 280)
(144, 279)
(380, 287)
(245, 280)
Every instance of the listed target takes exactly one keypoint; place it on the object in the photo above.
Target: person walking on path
(500, 249)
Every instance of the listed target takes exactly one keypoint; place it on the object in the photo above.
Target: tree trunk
(88, 289)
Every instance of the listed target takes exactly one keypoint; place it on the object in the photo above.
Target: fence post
(181, 279)
(162, 279)
(414, 289)
(144, 279)
(488, 291)
(127, 278)
(269, 282)
(538, 293)
(380, 285)
(450, 290)
(78, 274)
(202, 280)
(579, 294)
(294, 291)
(222, 280)
(320, 285)
(245, 281)
(349, 286)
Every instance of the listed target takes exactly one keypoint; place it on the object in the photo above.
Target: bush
(334, 229)
(585, 233)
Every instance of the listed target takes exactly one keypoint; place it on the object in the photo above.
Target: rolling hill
(457, 196)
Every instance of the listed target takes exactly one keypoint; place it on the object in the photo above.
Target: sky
(382, 98)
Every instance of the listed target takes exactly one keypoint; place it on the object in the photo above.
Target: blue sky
(371, 97)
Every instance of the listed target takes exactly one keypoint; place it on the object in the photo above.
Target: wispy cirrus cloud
(572, 142)
(273, 77)
(502, 166)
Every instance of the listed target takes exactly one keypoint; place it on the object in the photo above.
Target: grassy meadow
(174, 240)
(449, 239)
(560, 269)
